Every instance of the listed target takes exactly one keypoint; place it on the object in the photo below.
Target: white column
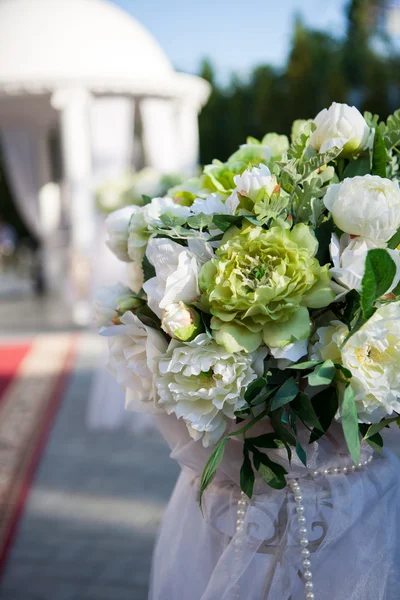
(188, 135)
(74, 105)
(160, 134)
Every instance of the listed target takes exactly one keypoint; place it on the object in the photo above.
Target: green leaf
(323, 234)
(375, 441)
(247, 476)
(322, 374)
(325, 405)
(171, 220)
(253, 220)
(379, 155)
(305, 411)
(301, 453)
(377, 427)
(391, 131)
(212, 465)
(146, 200)
(264, 396)
(223, 222)
(395, 240)
(200, 221)
(359, 167)
(309, 364)
(148, 270)
(350, 423)
(255, 388)
(282, 432)
(380, 270)
(343, 369)
(267, 440)
(271, 472)
(286, 393)
(351, 308)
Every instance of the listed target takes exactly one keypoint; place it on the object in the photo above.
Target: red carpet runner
(32, 381)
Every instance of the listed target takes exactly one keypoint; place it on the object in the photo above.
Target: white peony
(348, 257)
(251, 181)
(134, 276)
(105, 303)
(203, 384)
(117, 230)
(340, 126)
(147, 221)
(176, 275)
(368, 206)
(134, 348)
(372, 355)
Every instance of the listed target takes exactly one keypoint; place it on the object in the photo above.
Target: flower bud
(181, 322)
(125, 303)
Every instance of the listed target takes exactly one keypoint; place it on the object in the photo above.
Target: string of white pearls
(304, 541)
(343, 470)
(238, 541)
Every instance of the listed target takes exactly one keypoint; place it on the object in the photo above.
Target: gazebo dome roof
(47, 44)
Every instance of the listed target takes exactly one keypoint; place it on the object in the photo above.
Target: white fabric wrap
(351, 522)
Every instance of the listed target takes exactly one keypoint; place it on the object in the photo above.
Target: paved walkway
(92, 516)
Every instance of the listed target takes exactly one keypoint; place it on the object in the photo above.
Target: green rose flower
(261, 284)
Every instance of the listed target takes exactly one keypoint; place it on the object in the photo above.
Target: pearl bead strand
(304, 541)
(240, 517)
(344, 470)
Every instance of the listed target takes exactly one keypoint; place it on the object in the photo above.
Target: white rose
(203, 384)
(176, 275)
(147, 221)
(372, 355)
(105, 303)
(117, 225)
(134, 348)
(251, 181)
(368, 206)
(342, 126)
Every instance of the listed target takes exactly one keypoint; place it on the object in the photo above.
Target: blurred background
(101, 102)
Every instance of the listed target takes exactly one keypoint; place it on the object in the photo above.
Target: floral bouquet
(267, 289)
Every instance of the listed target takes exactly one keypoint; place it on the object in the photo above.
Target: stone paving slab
(94, 510)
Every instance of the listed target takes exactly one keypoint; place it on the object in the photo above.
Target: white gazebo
(85, 93)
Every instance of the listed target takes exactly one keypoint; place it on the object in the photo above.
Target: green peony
(261, 284)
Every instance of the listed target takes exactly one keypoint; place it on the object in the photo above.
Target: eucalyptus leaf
(286, 393)
(350, 423)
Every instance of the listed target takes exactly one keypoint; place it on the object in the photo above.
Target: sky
(237, 35)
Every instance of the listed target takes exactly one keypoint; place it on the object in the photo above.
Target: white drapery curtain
(21, 153)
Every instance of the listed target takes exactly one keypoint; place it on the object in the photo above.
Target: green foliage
(286, 393)
(349, 416)
(323, 374)
(212, 465)
(391, 131)
(379, 155)
(247, 476)
(380, 270)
